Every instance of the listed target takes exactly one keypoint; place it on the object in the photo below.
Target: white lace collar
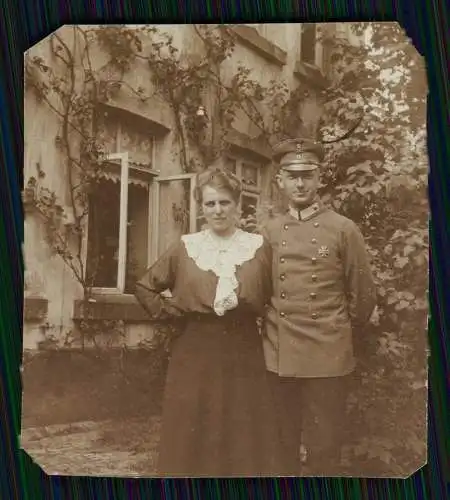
(222, 256)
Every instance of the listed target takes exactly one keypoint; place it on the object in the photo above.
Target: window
(134, 213)
(119, 131)
(308, 43)
(119, 229)
(176, 208)
(250, 175)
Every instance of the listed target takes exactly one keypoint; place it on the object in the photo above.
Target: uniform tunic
(323, 288)
(219, 416)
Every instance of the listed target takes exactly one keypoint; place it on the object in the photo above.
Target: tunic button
(314, 260)
(314, 315)
(283, 295)
(282, 314)
(316, 224)
(283, 243)
(282, 277)
(314, 277)
(286, 226)
(313, 295)
(282, 260)
(314, 240)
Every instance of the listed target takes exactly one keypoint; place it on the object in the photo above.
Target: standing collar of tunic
(307, 213)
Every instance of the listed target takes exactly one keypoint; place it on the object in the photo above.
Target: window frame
(126, 167)
(193, 209)
(250, 195)
(240, 163)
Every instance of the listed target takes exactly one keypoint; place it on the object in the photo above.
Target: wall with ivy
(164, 74)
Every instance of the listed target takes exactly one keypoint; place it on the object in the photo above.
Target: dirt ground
(125, 448)
(86, 414)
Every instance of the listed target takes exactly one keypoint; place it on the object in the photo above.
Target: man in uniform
(323, 293)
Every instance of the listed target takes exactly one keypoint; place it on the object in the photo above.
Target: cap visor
(292, 167)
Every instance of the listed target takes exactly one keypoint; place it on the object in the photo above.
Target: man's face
(299, 187)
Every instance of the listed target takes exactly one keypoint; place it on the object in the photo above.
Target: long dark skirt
(219, 414)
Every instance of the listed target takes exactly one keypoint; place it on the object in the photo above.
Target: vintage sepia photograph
(226, 251)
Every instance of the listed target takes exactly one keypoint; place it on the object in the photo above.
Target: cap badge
(306, 157)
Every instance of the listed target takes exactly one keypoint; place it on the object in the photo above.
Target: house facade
(134, 210)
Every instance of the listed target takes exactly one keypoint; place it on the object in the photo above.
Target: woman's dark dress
(219, 417)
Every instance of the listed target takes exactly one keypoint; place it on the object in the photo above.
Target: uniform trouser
(312, 414)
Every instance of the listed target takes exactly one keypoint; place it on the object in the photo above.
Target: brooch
(324, 251)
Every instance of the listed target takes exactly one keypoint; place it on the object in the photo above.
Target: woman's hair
(218, 178)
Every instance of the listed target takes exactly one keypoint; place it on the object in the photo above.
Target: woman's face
(220, 210)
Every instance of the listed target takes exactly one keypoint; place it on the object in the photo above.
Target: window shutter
(176, 210)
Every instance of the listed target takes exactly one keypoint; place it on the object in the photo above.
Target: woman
(218, 414)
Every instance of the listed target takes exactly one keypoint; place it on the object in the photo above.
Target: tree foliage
(378, 179)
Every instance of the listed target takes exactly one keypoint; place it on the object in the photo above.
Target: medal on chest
(323, 251)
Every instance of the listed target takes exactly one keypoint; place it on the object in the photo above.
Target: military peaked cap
(298, 154)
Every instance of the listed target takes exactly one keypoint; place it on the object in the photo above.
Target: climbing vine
(74, 87)
(87, 67)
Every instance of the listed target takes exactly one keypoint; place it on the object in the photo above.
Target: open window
(119, 225)
(135, 213)
(118, 243)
